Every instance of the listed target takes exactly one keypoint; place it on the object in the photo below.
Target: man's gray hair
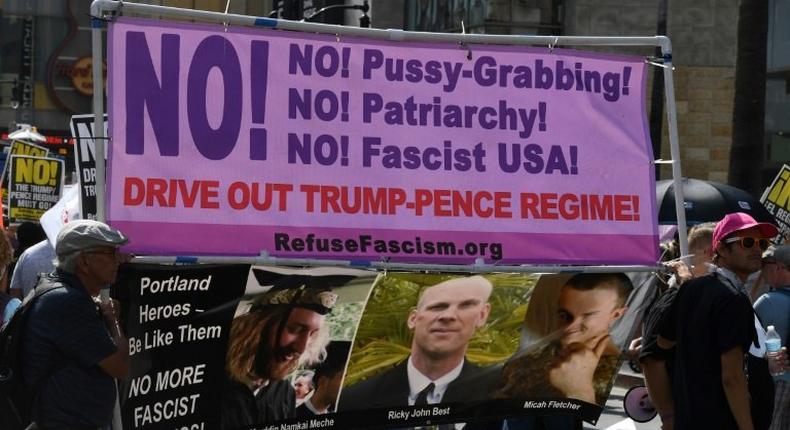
(68, 262)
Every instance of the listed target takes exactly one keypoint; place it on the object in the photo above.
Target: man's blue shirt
(65, 339)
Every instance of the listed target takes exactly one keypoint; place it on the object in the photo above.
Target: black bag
(15, 399)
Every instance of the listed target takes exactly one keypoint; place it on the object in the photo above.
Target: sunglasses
(748, 242)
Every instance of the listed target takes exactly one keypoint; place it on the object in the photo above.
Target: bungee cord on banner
(107, 10)
(478, 267)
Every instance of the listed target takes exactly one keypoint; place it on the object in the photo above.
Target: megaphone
(638, 406)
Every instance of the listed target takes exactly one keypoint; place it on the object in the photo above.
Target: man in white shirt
(35, 260)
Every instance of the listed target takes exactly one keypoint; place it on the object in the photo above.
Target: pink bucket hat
(740, 221)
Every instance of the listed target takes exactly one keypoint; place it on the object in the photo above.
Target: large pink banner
(234, 141)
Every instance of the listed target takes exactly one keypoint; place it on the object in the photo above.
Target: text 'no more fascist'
(157, 334)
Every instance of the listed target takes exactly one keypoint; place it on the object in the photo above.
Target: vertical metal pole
(672, 123)
(98, 112)
(100, 145)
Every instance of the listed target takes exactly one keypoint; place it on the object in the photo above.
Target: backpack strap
(45, 285)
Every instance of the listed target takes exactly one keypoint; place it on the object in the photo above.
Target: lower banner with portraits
(247, 347)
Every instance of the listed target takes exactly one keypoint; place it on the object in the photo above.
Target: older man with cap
(73, 347)
(774, 309)
(717, 336)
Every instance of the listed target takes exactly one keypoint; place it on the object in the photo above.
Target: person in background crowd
(770, 270)
(74, 348)
(766, 278)
(27, 234)
(38, 259)
(8, 303)
(33, 262)
(773, 308)
(712, 326)
(327, 379)
(701, 248)
(303, 385)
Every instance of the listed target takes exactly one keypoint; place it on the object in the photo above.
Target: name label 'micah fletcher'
(551, 404)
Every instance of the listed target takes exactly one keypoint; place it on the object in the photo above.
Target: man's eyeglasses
(116, 253)
(749, 242)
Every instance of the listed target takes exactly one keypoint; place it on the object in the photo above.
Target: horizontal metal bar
(99, 7)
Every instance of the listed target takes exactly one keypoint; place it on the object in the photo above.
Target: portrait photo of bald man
(436, 370)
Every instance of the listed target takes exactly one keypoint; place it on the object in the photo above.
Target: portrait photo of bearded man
(283, 330)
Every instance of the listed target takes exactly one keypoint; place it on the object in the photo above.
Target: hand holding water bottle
(776, 354)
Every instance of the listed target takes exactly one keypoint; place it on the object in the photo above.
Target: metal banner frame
(106, 10)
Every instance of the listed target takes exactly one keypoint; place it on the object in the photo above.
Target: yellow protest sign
(777, 200)
(19, 147)
(35, 185)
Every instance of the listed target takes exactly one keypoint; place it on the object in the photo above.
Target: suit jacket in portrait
(240, 408)
(391, 389)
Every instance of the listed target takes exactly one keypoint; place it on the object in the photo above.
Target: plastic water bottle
(773, 343)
